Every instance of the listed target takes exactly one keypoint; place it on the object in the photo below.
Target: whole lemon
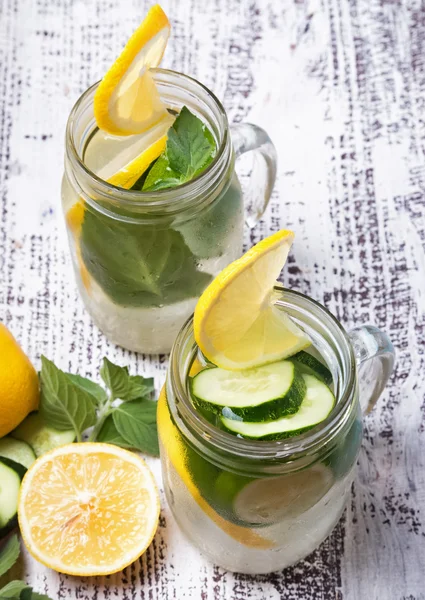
(19, 388)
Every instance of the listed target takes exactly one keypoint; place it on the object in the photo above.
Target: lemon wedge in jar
(127, 101)
(237, 325)
(88, 509)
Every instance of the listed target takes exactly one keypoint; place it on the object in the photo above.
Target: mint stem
(104, 412)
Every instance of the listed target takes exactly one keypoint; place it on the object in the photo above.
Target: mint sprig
(72, 402)
(16, 589)
(190, 149)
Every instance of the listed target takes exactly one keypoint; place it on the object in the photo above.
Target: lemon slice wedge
(237, 325)
(127, 101)
(88, 509)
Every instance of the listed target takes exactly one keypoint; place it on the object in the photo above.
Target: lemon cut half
(88, 509)
(237, 325)
(127, 101)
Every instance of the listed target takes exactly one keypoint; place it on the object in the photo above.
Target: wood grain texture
(340, 86)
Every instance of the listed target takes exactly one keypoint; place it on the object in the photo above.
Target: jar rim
(196, 428)
(165, 197)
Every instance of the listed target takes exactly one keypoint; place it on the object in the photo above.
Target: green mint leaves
(64, 403)
(139, 264)
(190, 149)
(124, 386)
(136, 424)
(9, 554)
(72, 402)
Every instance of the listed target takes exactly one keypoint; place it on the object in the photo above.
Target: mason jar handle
(250, 138)
(375, 358)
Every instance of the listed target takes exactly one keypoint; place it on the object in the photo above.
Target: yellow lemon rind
(20, 388)
(155, 21)
(85, 447)
(225, 279)
(127, 177)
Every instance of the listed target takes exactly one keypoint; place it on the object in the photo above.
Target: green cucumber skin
(17, 450)
(20, 470)
(310, 365)
(268, 411)
(272, 436)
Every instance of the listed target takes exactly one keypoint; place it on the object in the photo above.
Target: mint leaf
(190, 149)
(9, 554)
(136, 423)
(109, 434)
(13, 589)
(63, 404)
(19, 590)
(91, 387)
(139, 265)
(161, 176)
(190, 145)
(123, 385)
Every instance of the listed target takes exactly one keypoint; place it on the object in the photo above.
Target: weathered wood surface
(340, 86)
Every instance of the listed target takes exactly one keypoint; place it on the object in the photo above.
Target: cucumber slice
(261, 394)
(307, 363)
(17, 450)
(11, 474)
(316, 406)
(269, 500)
(40, 436)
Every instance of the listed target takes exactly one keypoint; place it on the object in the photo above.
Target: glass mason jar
(259, 506)
(142, 259)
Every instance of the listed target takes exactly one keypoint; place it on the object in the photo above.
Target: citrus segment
(128, 175)
(236, 323)
(127, 100)
(88, 509)
(177, 454)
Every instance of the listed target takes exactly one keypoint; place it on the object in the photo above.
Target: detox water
(112, 254)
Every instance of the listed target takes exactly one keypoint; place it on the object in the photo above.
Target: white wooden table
(340, 86)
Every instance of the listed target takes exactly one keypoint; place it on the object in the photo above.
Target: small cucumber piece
(316, 406)
(261, 394)
(11, 474)
(40, 436)
(307, 363)
(17, 450)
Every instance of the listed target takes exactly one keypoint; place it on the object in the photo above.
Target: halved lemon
(88, 509)
(237, 324)
(127, 100)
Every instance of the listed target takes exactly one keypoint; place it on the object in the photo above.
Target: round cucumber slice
(260, 394)
(17, 450)
(316, 406)
(40, 436)
(309, 364)
(11, 474)
(270, 500)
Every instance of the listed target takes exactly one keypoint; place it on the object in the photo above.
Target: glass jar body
(142, 259)
(261, 523)
(256, 506)
(117, 273)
